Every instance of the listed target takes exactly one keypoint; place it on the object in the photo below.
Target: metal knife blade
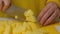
(57, 28)
(16, 11)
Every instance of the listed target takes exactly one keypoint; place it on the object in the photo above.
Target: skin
(59, 15)
(49, 14)
(4, 4)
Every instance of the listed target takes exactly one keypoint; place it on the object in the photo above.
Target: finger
(46, 16)
(43, 12)
(54, 21)
(51, 18)
(6, 4)
(59, 13)
(0, 4)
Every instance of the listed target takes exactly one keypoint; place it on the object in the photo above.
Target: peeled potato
(15, 27)
(28, 13)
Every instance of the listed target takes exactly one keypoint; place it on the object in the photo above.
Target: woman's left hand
(49, 14)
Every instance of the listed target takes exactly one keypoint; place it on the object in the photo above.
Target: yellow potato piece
(31, 18)
(30, 26)
(7, 30)
(28, 13)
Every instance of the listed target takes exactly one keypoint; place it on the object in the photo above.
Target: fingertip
(0, 6)
(45, 24)
(38, 19)
(41, 22)
(5, 7)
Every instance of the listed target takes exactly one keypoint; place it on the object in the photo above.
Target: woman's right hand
(4, 4)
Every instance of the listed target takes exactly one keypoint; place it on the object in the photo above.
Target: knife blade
(16, 11)
(57, 28)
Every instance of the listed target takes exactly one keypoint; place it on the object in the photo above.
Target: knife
(57, 28)
(16, 11)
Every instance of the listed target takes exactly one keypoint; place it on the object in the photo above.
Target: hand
(4, 4)
(49, 14)
(59, 13)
